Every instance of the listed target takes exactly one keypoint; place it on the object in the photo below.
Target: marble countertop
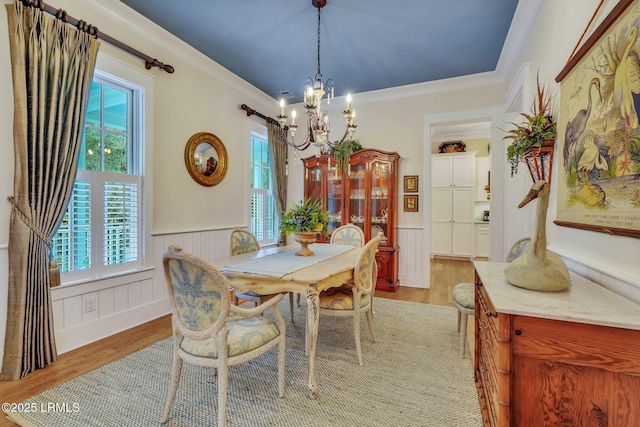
(584, 302)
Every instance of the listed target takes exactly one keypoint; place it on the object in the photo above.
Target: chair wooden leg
(281, 366)
(462, 327)
(291, 304)
(173, 388)
(370, 322)
(223, 378)
(459, 314)
(356, 332)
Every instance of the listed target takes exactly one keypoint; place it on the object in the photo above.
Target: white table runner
(282, 263)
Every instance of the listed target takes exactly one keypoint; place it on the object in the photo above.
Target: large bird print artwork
(599, 132)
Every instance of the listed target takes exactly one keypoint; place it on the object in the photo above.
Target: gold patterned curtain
(52, 68)
(278, 149)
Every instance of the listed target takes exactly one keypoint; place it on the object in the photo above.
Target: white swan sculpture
(538, 269)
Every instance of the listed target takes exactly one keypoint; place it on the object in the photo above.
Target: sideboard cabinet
(364, 195)
(555, 359)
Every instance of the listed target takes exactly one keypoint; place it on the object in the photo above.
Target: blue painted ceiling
(365, 44)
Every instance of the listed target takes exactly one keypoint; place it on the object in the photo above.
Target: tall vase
(305, 239)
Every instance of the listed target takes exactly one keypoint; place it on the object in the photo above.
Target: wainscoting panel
(411, 258)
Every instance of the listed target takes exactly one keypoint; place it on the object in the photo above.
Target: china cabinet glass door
(314, 183)
(380, 190)
(334, 199)
(357, 200)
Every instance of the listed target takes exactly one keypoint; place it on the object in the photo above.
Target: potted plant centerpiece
(305, 219)
(532, 141)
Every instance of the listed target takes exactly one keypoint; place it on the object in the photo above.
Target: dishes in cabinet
(377, 229)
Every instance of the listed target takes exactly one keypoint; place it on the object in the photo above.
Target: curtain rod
(92, 30)
(250, 112)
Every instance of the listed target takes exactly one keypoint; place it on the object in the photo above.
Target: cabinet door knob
(518, 332)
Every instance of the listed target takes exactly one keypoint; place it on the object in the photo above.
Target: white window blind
(120, 222)
(264, 222)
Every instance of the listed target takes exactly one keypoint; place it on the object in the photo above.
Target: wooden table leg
(313, 315)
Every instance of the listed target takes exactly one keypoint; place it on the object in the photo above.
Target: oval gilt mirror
(206, 159)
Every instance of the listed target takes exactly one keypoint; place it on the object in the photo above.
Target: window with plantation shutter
(101, 232)
(263, 223)
(121, 222)
(72, 245)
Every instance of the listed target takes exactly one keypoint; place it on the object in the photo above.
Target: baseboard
(413, 281)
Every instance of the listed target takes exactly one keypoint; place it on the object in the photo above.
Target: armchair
(353, 299)
(208, 331)
(243, 242)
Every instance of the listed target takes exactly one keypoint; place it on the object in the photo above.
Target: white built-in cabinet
(453, 193)
(482, 240)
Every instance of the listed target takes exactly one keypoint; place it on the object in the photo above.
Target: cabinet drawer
(486, 310)
(489, 387)
(577, 344)
(488, 340)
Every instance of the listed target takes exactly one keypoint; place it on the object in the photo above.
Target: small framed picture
(411, 184)
(411, 203)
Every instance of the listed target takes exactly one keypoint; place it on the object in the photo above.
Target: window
(101, 232)
(264, 218)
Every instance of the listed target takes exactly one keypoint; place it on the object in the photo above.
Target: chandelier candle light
(318, 125)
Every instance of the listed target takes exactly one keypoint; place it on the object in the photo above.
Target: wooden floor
(445, 274)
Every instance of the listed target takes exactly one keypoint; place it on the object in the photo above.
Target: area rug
(413, 376)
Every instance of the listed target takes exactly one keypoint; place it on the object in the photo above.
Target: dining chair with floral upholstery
(243, 242)
(462, 295)
(209, 331)
(355, 298)
(348, 234)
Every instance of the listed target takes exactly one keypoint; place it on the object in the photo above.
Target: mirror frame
(189, 159)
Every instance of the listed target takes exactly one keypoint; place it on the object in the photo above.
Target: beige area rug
(413, 376)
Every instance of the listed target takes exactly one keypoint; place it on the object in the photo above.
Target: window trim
(139, 103)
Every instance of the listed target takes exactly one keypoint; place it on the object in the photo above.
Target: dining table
(276, 270)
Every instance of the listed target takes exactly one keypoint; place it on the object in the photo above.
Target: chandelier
(318, 126)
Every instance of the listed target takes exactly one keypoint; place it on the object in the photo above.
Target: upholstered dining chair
(348, 234)
(208, 331)
(243, 242)
(353, 299)
(463, 293)
(519, 247)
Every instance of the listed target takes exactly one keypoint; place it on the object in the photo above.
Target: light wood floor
(445, 274)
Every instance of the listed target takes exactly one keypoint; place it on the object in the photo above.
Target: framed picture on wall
(411, 203)
(411, 184)
(598, 129)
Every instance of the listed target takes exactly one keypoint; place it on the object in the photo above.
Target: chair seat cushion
(463, 294)
(341, 299)
(244, 336)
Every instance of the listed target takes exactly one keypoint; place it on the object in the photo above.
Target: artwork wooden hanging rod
(250, 112)
(92, 30)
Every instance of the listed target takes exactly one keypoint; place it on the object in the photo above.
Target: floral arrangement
(539, 127)
(305, 216)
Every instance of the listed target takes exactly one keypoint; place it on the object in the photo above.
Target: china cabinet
(567, 358)
(364, 196)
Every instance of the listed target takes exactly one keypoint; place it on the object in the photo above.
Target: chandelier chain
(317, 126)
(319, 73)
